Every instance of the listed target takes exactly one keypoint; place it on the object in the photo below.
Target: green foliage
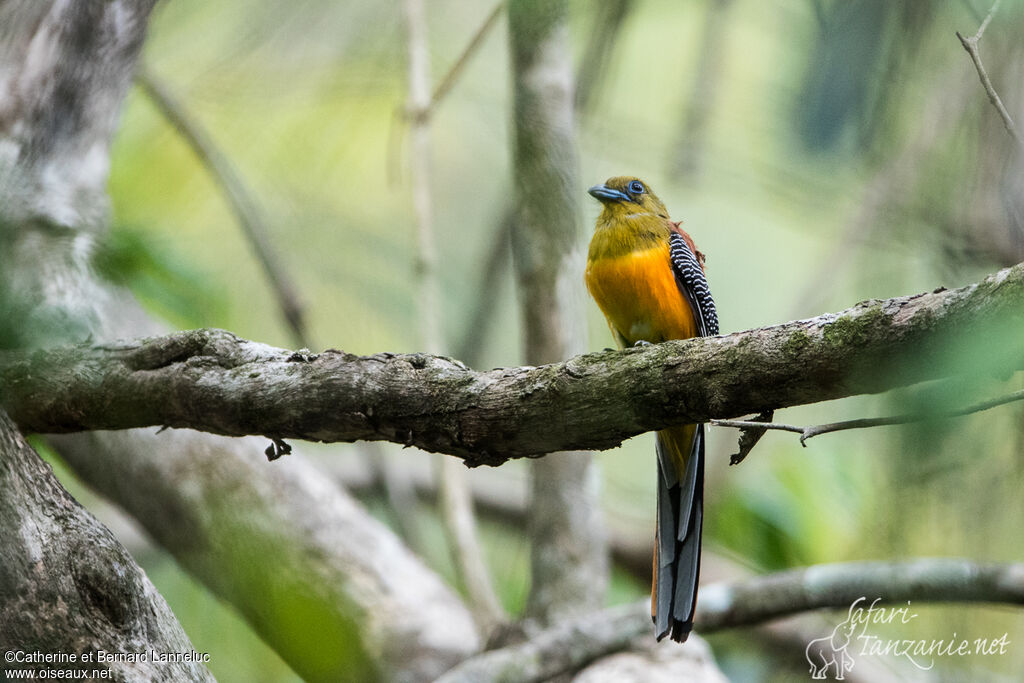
(847, 156)
(160, 276)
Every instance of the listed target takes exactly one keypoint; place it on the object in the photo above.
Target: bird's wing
(690, 277)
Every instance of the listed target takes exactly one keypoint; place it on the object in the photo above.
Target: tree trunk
(328, 587)
(569, 559)
(67, 587)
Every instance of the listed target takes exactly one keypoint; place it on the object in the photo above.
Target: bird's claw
(642, 343)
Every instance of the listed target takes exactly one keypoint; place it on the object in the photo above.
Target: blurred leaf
(160, 277)
(843, 67)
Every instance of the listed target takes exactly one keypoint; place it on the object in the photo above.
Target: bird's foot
(642, 343)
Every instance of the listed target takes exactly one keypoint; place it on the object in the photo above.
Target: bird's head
(628, 195)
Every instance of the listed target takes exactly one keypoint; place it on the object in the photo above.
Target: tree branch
(568, 555)
(325, 584)
(446, 83)
(456, 504)
(971, 45)
(238, 196)
(572, 644)
(862, 423)
(213, 381)
(604, 36)
(330, 588)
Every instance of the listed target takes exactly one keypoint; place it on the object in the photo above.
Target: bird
(647, 277)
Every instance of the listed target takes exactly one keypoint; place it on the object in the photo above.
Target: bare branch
(422, 108)
(572, 644)
(937, 580)
(603, 38)
(971, 45)
(567, 646)
(749, 435)
(985, 22)
(456, 503)
(305, 564)
(213, 381)
(449, 79)
(249, 217)
(330, 588)
(688, 152)
(863, 423)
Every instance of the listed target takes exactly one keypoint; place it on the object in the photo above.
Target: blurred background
(819, 152)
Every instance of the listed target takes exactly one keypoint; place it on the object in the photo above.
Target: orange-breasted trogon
(647, 277)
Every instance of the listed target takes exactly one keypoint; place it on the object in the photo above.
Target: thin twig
(237, 194)
(599, 51)
(862, 423)
(971, 45)
(456, 501)
(449, 79)
(689, 150)
(424, 109)
(492, 271)
(396, 484)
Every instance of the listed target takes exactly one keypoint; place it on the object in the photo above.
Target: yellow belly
(638, 294)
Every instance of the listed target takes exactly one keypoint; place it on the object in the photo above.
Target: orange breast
(638, 294)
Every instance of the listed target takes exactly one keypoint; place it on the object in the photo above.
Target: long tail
(677, 547)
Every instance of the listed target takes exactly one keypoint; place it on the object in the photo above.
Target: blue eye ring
(636, 187)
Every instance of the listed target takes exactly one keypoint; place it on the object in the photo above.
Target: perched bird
(647, 277)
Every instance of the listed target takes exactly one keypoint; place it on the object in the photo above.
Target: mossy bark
(213, 381)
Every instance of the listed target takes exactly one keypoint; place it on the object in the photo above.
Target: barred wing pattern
(693, 284)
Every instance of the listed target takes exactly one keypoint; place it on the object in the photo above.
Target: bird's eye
(636, 187)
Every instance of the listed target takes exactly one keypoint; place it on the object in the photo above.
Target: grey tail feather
(680, 517)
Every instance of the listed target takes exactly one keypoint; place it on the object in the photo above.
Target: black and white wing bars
(693, 284)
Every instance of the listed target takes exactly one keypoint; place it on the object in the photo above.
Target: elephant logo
(831, 651)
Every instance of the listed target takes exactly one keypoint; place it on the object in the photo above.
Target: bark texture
(571, 644)
(64, 69)
(838, 585)
(213, 381)
(329, 588)
(568, 557)
(333, 591)
(68, 587)
(650, 662)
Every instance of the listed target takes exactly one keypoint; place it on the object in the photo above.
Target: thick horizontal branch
(572, 644)
(213, 381)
